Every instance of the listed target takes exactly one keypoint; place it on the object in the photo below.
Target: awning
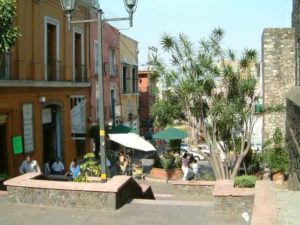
(131, 140)
(170, 133)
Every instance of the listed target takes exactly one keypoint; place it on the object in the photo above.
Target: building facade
(129, 82)
(146, 100)
(44, 87)
(278, 69)
(111, 72)
(293, 107)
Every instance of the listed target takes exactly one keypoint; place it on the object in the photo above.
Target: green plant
(4, 176)
(277, 157)
(90, 167)
(245, 181)
(167, 160)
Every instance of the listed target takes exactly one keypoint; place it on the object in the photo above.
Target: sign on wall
(28, 127)
(17, 145)
(78, 128)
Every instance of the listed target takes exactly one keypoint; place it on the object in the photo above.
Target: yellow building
(129, 82)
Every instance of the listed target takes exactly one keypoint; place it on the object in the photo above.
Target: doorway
(52, 132)
(3, 150)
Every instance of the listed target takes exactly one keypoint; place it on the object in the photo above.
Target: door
(3, 150)
(52, 134)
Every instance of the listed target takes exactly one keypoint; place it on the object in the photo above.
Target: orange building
(44, 87)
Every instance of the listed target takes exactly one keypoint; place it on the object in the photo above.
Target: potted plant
(167, 166)
(278, 158)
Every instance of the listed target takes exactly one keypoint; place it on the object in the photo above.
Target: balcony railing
(54, 71)
(5, 66)
(80, 73)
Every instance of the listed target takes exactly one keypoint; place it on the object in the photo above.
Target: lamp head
(130, 4)
(68, 6)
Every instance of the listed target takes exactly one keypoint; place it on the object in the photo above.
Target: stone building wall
(293, 136)
(278, 68)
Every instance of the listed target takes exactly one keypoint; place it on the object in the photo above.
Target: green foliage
(276, 157)
(168, 160)
(245, 181)
(4, 176)
(8, 32)
(90, 167)
(175, 145)
(207, 176)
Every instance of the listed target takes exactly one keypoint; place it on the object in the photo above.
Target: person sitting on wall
(74, 169)
(29, 165)
(58, 167)
(47, 168)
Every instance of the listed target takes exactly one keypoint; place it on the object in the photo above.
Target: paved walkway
(288, 203)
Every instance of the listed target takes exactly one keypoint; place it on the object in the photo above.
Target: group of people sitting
(190, 167)
(55, 168)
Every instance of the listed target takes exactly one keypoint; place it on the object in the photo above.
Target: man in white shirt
(58, 167)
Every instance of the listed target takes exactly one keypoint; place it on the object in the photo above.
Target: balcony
(80, 73)
(54, 70)
(5, 66)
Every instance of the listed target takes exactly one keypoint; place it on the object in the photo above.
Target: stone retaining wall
(113, 194)
(200, 188)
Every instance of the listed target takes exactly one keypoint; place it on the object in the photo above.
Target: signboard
(78, 118)
(17, 145)
(28, 127)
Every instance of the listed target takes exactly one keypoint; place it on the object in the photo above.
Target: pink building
(111, 69)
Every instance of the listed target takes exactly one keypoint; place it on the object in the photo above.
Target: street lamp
(69, 7)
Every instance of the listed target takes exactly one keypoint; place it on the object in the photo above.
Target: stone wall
(233, 204)
(278, 67)
(293, 136)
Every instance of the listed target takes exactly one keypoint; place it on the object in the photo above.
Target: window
(134, 80)
(51, 57)
(28, 127)
(112, 62)
(79, 68)
(96, 57)
(124, 80)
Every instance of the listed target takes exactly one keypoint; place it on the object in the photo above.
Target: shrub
(90, 167)
(245, 181)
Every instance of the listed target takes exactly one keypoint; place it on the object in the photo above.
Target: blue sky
(242, 20)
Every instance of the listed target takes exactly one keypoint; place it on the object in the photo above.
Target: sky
(242, 20)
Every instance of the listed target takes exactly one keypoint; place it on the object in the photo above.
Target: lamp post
(69, 7)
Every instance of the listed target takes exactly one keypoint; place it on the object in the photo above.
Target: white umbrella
(134, 141)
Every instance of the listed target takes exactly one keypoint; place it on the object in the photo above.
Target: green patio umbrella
(119, 129)
(170, 133)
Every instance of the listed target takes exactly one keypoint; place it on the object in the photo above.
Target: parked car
(185, 146)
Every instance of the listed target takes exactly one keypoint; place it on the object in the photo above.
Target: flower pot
(166, 174)
(278, 177)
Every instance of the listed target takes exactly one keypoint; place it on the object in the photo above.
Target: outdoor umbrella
(131, 140)
(119, 129)
(170, 133)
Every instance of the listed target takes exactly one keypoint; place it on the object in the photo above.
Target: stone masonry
(278, 66)
(293, 136)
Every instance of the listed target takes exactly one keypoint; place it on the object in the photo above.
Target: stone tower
(278, 68)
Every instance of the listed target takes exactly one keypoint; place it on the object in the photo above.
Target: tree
(216, 91)
(8, 32)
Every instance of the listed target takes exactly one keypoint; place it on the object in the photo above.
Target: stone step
(171, 203)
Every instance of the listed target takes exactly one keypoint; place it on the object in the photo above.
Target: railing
(54, 70)
(5, 66)
(80, 73)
